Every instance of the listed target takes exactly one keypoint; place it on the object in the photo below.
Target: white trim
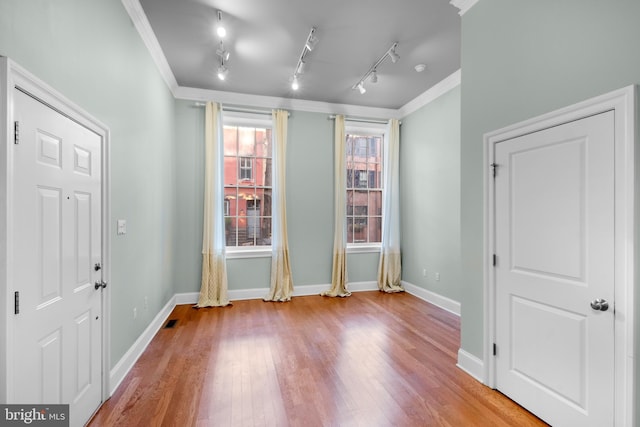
(140, 21)
(261, 101)
(463, 5)
(438, 300)
(15, 76)
(430, 95)
(128, 360)
(471, 365)
(363, 249)
(240, 252)
(622, 101)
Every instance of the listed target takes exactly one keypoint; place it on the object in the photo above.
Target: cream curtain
(281, 280)
(339, 274)
(389, 269)
(213, 290)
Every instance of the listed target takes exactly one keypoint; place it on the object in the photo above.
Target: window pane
(360, 202)
(349, 202)
(230, 140)
(263, 142)
(230, 170)
(263, 172)
(374, 149)
(360, 231)
(375, 176)
(265, 195)
(375, 229)
(349, 229)
(375, 203)
(247, 141)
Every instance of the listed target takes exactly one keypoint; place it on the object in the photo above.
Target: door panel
(554, 195)
(57, 240)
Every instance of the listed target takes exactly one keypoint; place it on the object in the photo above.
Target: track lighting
(373, 71)
(222, 32)
(374, 76)
(301, 66)
(312, 40)
(223, 53)
(222, 72)
(393, 55)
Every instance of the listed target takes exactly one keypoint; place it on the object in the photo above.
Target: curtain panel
(339, 273)
(213, 290)
(281, 288)
(389, 266)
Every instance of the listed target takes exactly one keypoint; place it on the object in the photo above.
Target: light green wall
(521, 59)
(309, 207)
(90, 52)
(430, 195)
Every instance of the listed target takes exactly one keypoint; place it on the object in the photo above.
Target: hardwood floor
(372, 359)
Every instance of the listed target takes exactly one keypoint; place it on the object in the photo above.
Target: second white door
(554, 222)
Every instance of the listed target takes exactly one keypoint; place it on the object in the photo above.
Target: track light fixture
(223, 53)
(301, 66)
(222, 72)
(373, 71)
(220, 30)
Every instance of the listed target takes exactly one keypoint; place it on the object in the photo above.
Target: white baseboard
(260, 293)
(471, 365)
(433, 298)
(124, 365)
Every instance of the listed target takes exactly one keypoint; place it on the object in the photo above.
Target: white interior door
(554, 222)
(56, 209)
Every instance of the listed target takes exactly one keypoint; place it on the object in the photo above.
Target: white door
(57, 243)
(554, 222)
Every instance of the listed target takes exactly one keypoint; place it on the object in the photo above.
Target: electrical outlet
(135, 313)
(437, 277)
(424, 272)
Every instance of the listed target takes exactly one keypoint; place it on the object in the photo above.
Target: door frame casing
(13, 76)
(623, 103)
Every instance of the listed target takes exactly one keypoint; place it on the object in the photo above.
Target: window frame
(366, 129)
(256, 121)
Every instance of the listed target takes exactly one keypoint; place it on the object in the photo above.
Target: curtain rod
(361, 120)
(241, 110)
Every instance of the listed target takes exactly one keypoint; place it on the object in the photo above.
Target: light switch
(122, 226)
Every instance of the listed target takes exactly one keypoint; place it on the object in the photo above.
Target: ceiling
(266, 38)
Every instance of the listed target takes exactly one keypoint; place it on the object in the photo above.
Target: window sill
(363, 249)
(253, 252)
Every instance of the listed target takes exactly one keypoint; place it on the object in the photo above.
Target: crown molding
(140, 21)
(260, 101)
(430, 95)
(463, 5)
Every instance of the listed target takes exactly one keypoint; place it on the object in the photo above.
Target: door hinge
(494, 169)
(495, 349)
(16, 132)
(495, 260)
(16, 302)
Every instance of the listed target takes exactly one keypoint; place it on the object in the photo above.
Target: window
(246, 168)
(364, 186)
(247, 184)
